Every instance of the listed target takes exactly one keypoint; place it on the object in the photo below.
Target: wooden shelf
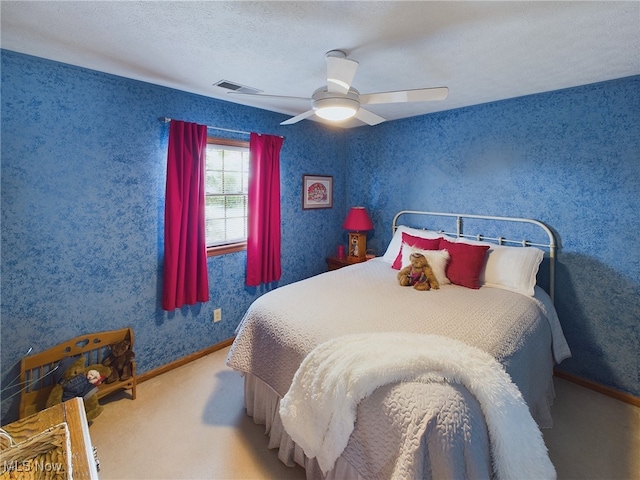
(95, 347)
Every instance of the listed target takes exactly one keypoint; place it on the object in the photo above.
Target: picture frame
(317, 191)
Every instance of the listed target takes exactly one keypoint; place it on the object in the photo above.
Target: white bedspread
(319, 410)
(406, 429)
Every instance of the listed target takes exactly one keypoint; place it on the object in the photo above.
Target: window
(227, 183)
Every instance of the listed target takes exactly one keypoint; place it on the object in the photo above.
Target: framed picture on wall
(317, 191)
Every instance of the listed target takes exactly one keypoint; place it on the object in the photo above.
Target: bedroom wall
(569, 158)
(82, 183)
(83, 175)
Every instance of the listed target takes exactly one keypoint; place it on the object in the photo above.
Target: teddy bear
(119, 359)
(73, 379)
(418, 274)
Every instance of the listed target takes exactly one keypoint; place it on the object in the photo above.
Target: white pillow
(437, 261)
(396, 242)
(510, 268)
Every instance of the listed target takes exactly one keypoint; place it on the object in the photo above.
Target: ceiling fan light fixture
(338, 101)
(335, 109)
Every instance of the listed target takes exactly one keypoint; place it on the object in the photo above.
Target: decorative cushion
(437, 259)
(506, 267)
(466, 262)
(411, 241)
(393, 250)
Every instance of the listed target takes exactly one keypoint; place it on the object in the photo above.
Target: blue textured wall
(569, 158)
(83, 177)
(83, 171)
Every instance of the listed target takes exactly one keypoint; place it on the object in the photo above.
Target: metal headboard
(551, 245)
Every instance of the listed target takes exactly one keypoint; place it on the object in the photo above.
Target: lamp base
(357, 246)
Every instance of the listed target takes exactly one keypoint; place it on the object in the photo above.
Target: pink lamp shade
(357, 220)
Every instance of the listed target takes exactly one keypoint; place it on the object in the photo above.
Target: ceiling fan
(338, 100)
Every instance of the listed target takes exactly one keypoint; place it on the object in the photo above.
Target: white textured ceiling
(482, 51)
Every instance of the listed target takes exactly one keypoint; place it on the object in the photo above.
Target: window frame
(236, 246)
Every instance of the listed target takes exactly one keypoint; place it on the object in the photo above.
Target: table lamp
(357, 222)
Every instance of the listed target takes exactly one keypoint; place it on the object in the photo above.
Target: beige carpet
(190, 424)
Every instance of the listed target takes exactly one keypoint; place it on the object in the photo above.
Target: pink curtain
(263, 240)
(185, 279)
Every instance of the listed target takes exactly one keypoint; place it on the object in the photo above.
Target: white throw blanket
(319, 410)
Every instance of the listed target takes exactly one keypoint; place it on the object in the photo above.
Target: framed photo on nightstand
(357, 242)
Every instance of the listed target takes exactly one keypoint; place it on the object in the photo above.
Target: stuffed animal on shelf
(119, 359)
(73, 380)
(418, 274)
(95, 377)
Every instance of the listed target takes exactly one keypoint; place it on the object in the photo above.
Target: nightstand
(334, 263)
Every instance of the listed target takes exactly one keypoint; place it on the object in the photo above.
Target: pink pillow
(422, 243)
(466, 263)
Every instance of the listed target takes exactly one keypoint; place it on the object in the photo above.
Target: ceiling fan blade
(368, 117)
(403, 96)
(269, 96)
(297, 118)
(340, 72)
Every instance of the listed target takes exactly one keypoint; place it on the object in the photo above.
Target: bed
(424, 425)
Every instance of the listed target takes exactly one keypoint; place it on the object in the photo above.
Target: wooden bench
(36, 369)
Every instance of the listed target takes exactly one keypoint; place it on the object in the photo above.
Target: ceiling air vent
(234, 87)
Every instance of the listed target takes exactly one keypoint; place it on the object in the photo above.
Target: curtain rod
(167, 120)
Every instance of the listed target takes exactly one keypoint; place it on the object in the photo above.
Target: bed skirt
(262, 404)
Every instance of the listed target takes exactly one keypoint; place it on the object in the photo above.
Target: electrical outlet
(217, 315)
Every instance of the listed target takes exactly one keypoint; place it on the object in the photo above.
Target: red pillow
(465, 263)
(419, 242)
